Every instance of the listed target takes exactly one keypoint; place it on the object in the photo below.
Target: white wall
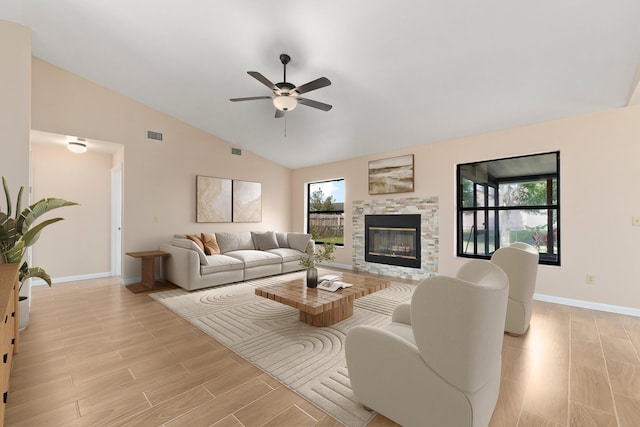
(15, 106)
(599, 195)
(159, 177)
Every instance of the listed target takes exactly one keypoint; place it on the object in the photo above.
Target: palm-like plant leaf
(15, 254)
(31, 236)
(27, 273)
(7, 232)
(33, 212)
(16, 235)
(7, 195)
(19, 202)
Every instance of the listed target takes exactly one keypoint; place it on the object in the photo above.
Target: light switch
(635, 221)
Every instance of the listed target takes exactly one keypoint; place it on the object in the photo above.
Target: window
(325, 211)
(510, 200)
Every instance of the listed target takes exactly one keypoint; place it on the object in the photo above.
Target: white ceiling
(404, 72)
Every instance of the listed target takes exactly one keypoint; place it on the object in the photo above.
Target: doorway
(88, 244)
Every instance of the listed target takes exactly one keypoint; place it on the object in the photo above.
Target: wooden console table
(9, 289)
(148, 281)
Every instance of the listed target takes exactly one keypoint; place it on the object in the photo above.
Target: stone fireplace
(392, 239)
(425, 240)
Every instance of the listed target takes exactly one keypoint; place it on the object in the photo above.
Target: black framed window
(509, 200)
(325, 211)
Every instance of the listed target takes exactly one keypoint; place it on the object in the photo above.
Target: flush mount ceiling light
(78, 146)
(285, 102)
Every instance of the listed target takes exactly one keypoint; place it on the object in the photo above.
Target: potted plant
(316, 253)
(17, 234)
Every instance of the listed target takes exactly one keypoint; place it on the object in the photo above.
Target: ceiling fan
(287, 95)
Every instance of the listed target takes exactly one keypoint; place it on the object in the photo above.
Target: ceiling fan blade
(316, 84)
(315, 104)
(250, 98)
(262, 79)
(279, 114)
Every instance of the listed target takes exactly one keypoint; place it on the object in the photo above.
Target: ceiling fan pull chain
(285, 126)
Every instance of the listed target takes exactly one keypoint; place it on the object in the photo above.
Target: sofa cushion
(265, 241)
(234, 241)
(281, 237)
(299, 241)
(255, 258)
(219, 263)
(190, 244)
(287, 254)
(210, 244)
(196, 239)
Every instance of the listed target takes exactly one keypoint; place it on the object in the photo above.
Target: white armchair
(443, 367)
(520, 262)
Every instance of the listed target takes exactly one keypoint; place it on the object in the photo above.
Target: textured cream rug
(309, 360)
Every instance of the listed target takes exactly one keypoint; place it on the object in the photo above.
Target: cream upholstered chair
(443, 367)
(520, 262)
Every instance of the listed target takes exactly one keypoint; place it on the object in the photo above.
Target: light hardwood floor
(97, 354)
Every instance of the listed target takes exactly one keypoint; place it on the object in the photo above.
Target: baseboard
(40, 282)
(589, 305)
(628, 311)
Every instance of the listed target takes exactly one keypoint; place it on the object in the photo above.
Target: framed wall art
(391, 175)
(213, 199)
(247, 201)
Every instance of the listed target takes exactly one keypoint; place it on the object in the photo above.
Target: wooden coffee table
(319, 307)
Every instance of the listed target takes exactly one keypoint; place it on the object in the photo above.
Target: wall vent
(155, 136)
(236, 151)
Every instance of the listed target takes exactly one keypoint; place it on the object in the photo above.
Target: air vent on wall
(155, 136)
(236, 151)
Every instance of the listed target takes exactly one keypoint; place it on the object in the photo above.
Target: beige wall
(599, 195)
(15, 105)
(599, 155)
(159, 177)
(79, 245)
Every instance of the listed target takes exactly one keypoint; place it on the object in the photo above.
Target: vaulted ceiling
(403, 73)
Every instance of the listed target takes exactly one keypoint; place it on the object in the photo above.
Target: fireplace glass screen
(393, 242)
(393, 239)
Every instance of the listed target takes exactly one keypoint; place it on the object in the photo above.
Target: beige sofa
(241, 256)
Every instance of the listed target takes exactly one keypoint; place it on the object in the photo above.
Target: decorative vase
(23, 321)
(312, 277)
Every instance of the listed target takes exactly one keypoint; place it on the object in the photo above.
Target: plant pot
(312, 277)
(24, 313)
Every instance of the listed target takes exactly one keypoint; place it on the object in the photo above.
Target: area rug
(308, 360)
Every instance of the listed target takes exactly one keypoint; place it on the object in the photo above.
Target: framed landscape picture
(213, 199)
(247, 201)
(391, 175)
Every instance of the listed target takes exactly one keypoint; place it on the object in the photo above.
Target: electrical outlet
(591, 279)
(635, 221)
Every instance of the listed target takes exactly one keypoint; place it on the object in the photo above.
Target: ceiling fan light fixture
(78, 146)
(285, 102)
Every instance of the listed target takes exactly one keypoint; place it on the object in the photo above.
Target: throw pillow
(282, 239)
(265, 241)
(245, 240)
(227, 242)
(299, 241)
(210, 244)
(196, 239)
(190, 244)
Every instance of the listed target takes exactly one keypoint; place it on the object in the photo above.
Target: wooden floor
(97, 354)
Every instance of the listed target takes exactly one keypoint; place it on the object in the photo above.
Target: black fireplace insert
(393, 239)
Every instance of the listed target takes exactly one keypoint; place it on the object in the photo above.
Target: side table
(148, 281)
